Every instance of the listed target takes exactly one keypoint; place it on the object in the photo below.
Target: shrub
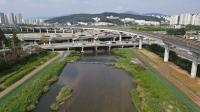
(63, 96)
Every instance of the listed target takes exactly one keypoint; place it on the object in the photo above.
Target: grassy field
(153, 93)
(23, 69)
(138, 27)
(26, 96)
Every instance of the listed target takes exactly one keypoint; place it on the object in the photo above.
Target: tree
(16, 45)
(15, 41)
(3, 41)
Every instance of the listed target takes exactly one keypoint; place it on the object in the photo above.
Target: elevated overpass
(82, 45)
(168, 41)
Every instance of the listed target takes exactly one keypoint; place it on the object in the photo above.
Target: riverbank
(25, 97)
(154, 93)
(175, 74)
(21, 69)
(28, 75)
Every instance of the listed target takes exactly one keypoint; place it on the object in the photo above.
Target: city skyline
(64, 7)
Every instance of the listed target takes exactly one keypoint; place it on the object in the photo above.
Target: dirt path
(31, 74)
(180, 78)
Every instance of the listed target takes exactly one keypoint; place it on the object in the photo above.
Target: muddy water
(97, 87)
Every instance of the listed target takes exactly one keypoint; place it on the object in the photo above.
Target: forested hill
(74, 18)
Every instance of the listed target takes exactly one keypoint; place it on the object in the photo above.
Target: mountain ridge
(85, 17)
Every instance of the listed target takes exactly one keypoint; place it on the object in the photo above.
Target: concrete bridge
(95, 45)
(115, 33)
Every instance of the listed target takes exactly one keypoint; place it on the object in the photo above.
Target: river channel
(97, 87)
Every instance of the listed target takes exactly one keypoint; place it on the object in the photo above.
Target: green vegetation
(13, 65)
(147, 28)
(14, 43)
(173, 57)
(3, 40)
(63, 96)
(192, 27)
(153, 92)
(10, 74)
(25, 97)
(28, 94)
(72, 57)
(180, 31)
(162, 28)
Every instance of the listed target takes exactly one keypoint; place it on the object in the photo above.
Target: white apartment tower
(196, 19)
(174, 20)
(10, 18)
(185, 19)
(19, 18)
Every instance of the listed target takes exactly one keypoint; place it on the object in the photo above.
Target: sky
(52, 8)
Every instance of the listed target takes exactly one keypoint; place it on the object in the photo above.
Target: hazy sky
(48, 8)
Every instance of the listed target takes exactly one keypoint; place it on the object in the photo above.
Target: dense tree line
(14, 53)
(180, 31)
(192, 27)
(9, 65)
(173, 57)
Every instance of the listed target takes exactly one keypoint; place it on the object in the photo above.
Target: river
(97, 87)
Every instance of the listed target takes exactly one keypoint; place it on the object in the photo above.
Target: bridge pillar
(96, 48)
(109, 49)
(55, 31)
(47, 30)
(72, 41)
(21, 29)
(52, 49)
(94, 41)
(82, 49)
(49, 41)
(72, 31)
(166, 54)
(33, 30)
(27, 30)
(63, 31)
(120, 38)
(194, 65)
(140, 43)
(40, 30)
(114, 39)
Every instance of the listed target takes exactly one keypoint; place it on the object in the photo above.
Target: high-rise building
(18, 18)
(185, 19)
(196, 19)
(10, 18)
(174, 20)
(2, 18)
